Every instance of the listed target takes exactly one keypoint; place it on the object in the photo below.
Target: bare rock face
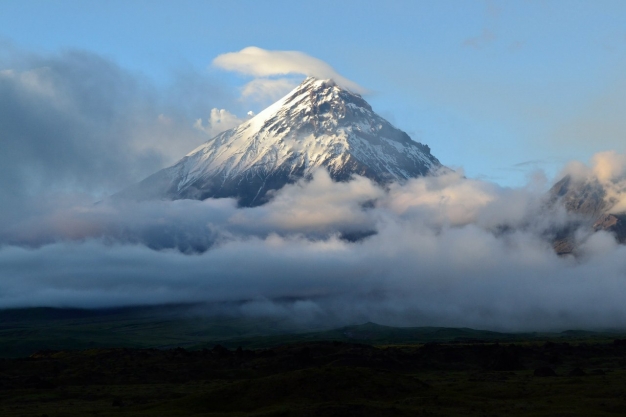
(588, 201)
(614, 223)
(318, 124)
(564, 246)
(582, 197)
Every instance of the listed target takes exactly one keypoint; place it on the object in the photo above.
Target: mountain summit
(318, 124)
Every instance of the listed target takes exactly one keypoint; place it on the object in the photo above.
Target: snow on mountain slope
(318, 124)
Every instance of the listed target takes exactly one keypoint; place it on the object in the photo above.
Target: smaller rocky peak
(587, 199)
(582, 196)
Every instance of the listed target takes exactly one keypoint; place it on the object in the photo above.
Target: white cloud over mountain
(266, 65)
(262, 89)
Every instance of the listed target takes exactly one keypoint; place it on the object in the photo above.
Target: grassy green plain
(147, 362)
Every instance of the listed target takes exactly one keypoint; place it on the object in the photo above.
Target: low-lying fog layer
(440, 251)
(446, 251)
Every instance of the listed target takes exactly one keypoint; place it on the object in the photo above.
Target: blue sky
(499, 88)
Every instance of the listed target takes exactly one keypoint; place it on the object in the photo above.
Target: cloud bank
(446, 251)
(442, 251)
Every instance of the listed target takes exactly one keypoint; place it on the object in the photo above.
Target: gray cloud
(78, 122)
(69, 115)
(441, 255)
(406, 274)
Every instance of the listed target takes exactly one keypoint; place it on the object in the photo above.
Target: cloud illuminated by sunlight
(264, 64)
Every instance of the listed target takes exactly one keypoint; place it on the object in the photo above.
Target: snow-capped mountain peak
(318, 124)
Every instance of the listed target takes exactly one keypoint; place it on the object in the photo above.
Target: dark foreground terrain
(25, 331)
(478, 378)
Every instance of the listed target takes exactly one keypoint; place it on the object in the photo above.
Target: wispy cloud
(218, 121)
(477, 42)
(261, 89)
